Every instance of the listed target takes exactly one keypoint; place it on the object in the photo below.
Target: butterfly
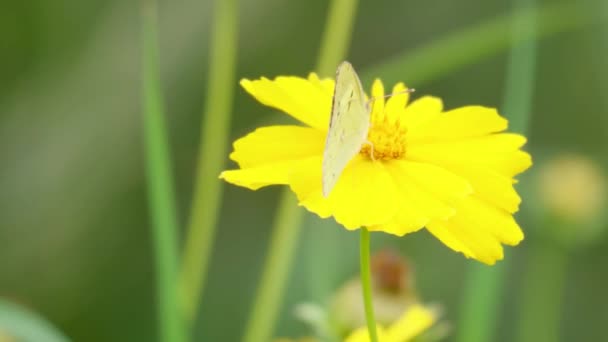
(348, 126)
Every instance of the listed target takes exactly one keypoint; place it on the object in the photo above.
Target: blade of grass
(288, 219)
(484, 285)
(160, 188)
(215, 128)
(336, 37)
(469, 45)
(542, 291)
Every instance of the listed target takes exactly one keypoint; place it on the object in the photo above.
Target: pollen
(386, 140)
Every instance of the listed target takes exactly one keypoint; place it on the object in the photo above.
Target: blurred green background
(75, 240)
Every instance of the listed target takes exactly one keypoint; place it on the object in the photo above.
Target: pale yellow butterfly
(348, 125)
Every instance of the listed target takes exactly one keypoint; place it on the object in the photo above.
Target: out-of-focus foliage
(74, 235)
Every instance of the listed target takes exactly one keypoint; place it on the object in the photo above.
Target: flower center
(387, 140)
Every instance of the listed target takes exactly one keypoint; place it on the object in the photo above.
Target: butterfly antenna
(406, 91)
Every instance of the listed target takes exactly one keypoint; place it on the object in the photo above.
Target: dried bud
(392, 293)
(391, 272)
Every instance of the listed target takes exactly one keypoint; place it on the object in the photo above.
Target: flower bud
(572, 189)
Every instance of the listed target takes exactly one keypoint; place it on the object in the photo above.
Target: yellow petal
(416, 320)
(477, 230)
(443, 184)
(425, 192)
(273, 144)
(470, 241)
(326, 85)
(305, 182)
(490, 186)
(498, 152)
(395, 105)
(499, 223)
(299, 97)
(421, 111)
(260, 176)
(449, 237)
(364, 195)
(377, 103)
(464, 122)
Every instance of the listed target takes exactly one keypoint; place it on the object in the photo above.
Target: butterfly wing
(348, 126)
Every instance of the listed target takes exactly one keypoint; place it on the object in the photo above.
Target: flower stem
(289, 215)
(276, 270)
(160, 189)
(212, 153)
(366, 285)
(484, 285)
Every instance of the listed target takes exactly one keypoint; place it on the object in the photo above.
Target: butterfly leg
(371, 151)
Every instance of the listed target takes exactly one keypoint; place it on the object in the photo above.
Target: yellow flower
(451, 172)
(416, 320)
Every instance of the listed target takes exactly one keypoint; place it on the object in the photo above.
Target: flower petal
(464, 122)
(377, 104)
(307, 100)
(273, 144)
(396, 104)
(305, 182)
(364, 195)
(490, 186)
(421, 111)
(499, 152)
(269, 155)
(426, 192)
(326, 85)
(268, 174)
(412, 323)
(477, 230)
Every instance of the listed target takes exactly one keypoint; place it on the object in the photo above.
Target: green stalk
(215, 130)
(484, 285)
(283, 244)
(336, 37)
(288, 220)
(541, 294)
(366, 285)
(469, 45)
(160, 189)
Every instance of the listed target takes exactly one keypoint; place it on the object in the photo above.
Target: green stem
(276, 270)
(484, 285)
(336, 37)
(160, 189)
(541, 298)
(215, 130)
(366, 285)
